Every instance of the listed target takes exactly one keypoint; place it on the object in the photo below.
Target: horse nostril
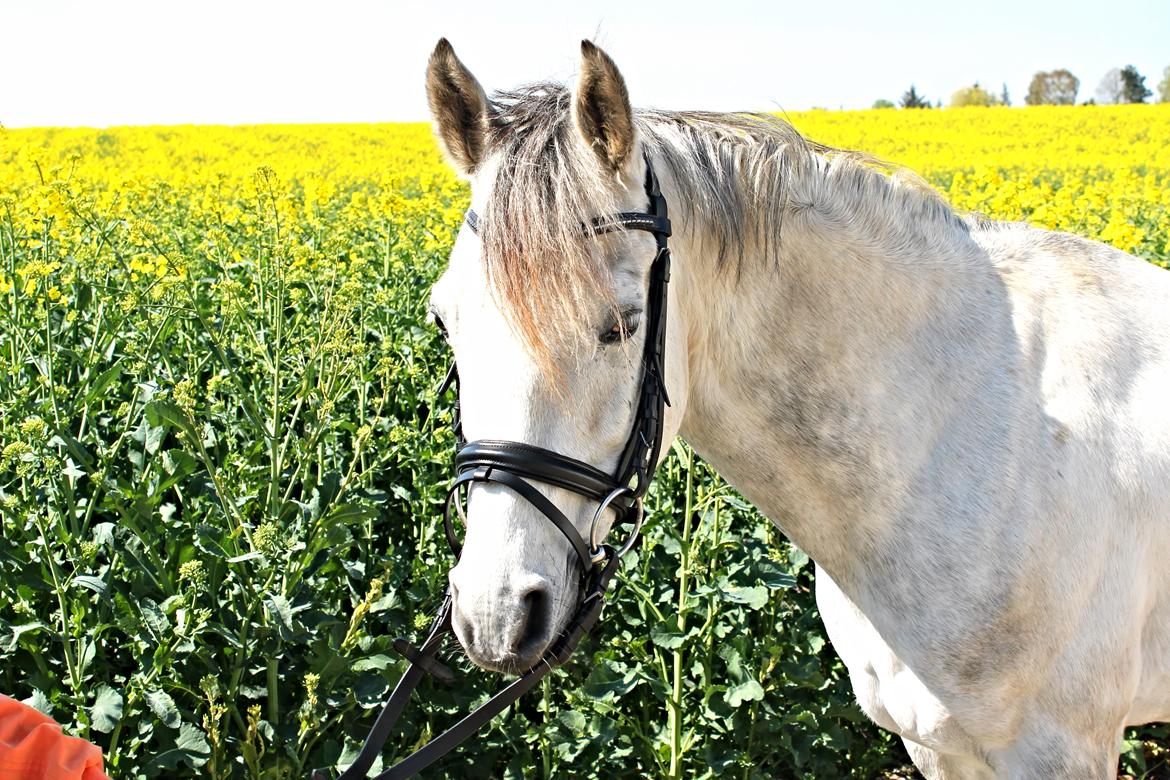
(535, 604)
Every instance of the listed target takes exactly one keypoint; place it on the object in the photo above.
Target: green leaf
(773, 577)
(191, 747)
(76, 449)
(9, 642)
(106, 710)
(737, 503)
(754, 597)
(349, 513)
(749, 690)
(734, 662)
(71, 469)
(163, 706)
(611, 679)
(797, 557)
(281, 613)
(154, 619)
(373, 663)
(39, 702)
(370, 689)
(103, 533)
(211, 540)
(375, 495)
(161, 412)
(573, 721)
(671, 546)
(154, 438)
(667, 636)
(103, 381)
(178, 464)
(96, 584)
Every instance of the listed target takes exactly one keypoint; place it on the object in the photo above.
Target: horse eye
(627, 326)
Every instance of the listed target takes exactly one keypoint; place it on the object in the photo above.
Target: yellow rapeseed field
(1102, 172)
(1098, 171)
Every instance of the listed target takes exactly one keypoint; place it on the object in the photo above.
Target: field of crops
(221, 456)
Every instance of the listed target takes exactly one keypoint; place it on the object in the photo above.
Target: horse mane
(736, 176)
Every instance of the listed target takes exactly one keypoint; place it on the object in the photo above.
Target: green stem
(675, 703)
(545, 749)
(59, 590)
(274, 687)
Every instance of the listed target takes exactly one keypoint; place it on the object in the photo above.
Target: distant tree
(1111, 90)
(1004, 98)
(911, 99)
(1133, 86)
(883, 103)
(1055, 88)
(973, 95)
(1164, 86)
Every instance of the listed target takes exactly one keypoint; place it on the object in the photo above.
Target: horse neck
(821, 381)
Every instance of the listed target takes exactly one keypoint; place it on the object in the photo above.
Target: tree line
(1050, 88)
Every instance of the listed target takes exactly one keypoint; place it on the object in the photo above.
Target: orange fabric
(32, 747)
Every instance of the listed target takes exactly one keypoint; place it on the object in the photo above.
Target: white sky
(109, 62)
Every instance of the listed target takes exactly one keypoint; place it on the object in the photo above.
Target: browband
(658, 224)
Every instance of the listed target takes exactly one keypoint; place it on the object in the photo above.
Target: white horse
(966, 424)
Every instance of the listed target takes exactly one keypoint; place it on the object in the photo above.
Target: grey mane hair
(738, 177)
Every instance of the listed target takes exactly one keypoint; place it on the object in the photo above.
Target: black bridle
(512, 465)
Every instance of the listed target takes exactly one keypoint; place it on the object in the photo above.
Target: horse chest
(887, 691)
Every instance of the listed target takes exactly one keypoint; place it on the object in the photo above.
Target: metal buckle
(596, 550)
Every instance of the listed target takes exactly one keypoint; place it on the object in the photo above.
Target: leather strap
(624, 220)
(640, 455)
(491, 473)
(537, 463)
(454, 736)
(394, 706)
(579, 627)
(628, 220)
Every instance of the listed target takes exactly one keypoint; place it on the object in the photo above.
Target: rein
(512, 465)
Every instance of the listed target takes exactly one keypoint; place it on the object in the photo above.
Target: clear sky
(109, 62)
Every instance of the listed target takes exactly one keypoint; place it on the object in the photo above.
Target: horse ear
(602, 108)
(459, 109)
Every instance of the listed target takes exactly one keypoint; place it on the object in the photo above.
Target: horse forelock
(551, 278)
(732, 176)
